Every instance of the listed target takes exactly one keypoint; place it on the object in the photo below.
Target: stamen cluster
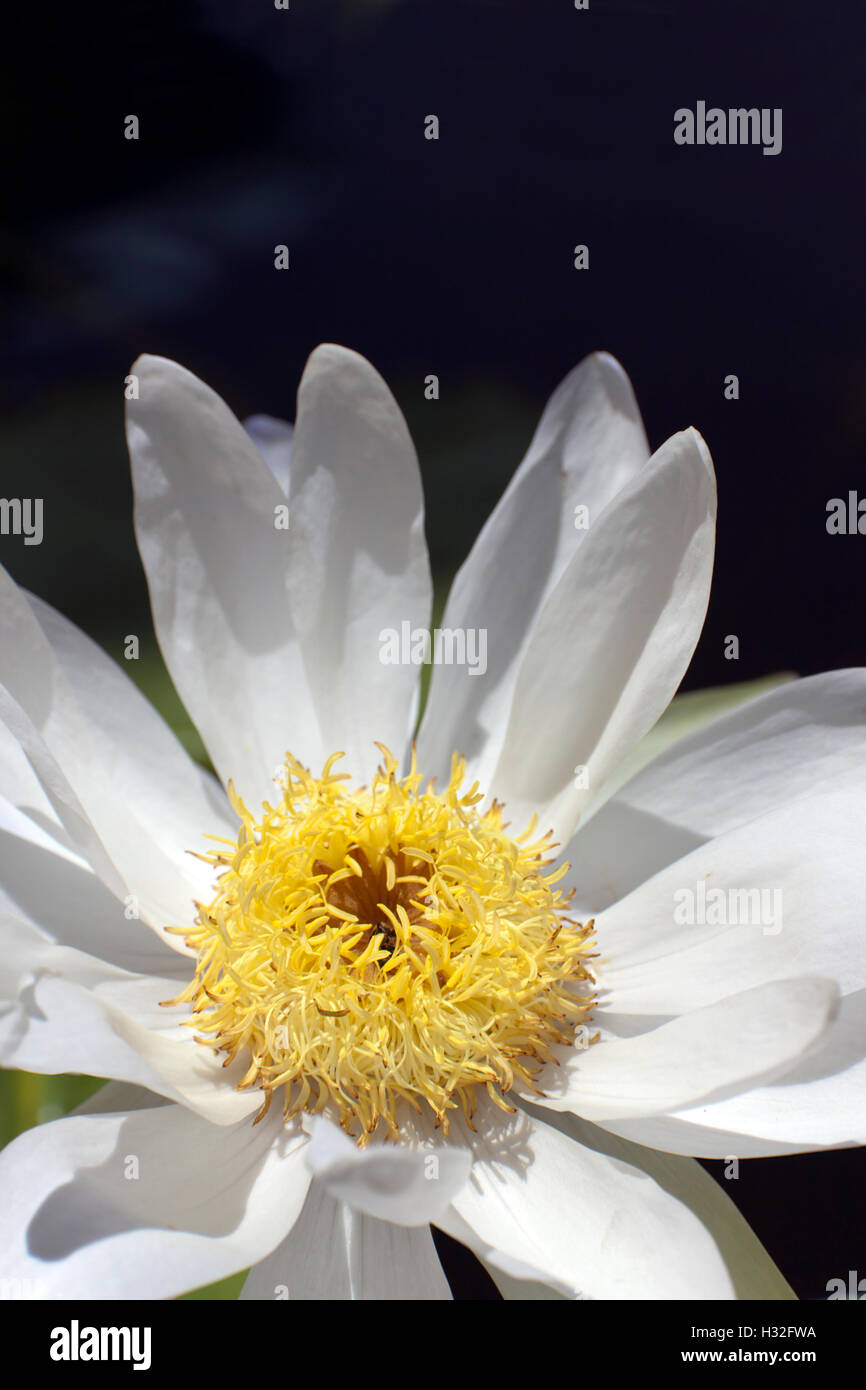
(385, 944)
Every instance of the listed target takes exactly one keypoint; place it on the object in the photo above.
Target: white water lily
(713, 1039)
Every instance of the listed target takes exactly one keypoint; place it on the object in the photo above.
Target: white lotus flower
(364, 951)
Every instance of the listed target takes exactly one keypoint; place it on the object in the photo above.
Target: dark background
(455, 257)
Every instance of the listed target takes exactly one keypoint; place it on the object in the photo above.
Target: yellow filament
(384, 945)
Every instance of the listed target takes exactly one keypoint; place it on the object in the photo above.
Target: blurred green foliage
(27, 1100)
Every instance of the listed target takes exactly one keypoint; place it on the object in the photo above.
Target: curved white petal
(358, 563)
(689, 711)
(589, 1224)
(132, 869)
(333, 1253)
(671, 1134)
(819, 1103)
(54, 890)
(409, 1184)
(27, 953)
(59, 1026)
(148, 1204)
(207, 520)
(65, 1010)
(107, 1022)
(26, 807)
(780, 896)
(273, 439)
(787, 743)
(589, 443)
(727, 1046)
(175, 800)
(620, 842)
(130, 799)
(750, 1269)
(613, 640)
(612, 857)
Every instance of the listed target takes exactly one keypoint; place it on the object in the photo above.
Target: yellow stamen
(386, 944)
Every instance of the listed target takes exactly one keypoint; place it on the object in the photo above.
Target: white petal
(57, 894)
(820, 1103)
(336, 1254)
(780, 896)
(750, 1268)
(60, 1027)
(145, 1205)
(727, 1046)
(176, 801)
(358, 562)
(273, 439)
(21, 792)
(589, 443)
(588, 1224)
(83, 752)
(786, 743)
(616, 853)
(408, 1184)
(613, 640)
(216, 563)
(79, 830)
(64, 1010)
(671, 1134)
(688, 712)
(111, 1027)
(26, 953)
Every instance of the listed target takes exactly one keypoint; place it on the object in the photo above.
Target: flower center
(384, 945)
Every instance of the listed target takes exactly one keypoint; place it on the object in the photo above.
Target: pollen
(386, 946)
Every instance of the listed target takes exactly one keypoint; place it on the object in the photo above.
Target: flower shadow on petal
(503, 1140)
(618, 850)
(163, 1173)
